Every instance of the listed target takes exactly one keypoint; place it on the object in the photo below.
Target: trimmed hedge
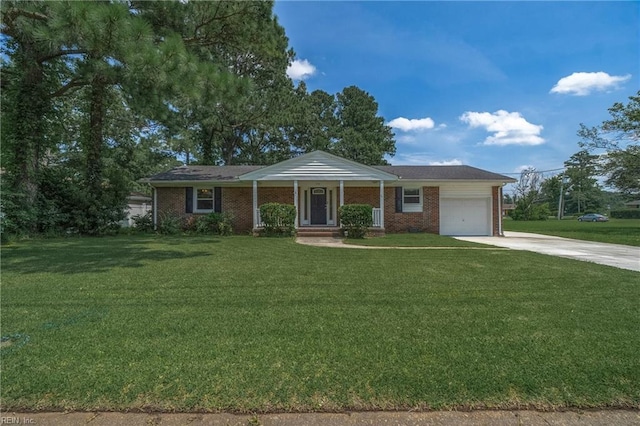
(356, 219)
(214, 223)
(279, 219)
(625, 214)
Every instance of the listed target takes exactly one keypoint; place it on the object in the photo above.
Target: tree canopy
(620, 138)
(97, 94)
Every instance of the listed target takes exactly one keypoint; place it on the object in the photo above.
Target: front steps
(335, 232)
(319, 231)
(326, 231)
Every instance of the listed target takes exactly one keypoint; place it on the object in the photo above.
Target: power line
(536, 171)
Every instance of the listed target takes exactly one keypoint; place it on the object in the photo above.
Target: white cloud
(423, 158)
(300, 69)
(454, 162)
(508, 128)
(407, 125)
(407, 139)
(583, 83)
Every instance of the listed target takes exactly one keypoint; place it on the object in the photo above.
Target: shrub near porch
(356, 219)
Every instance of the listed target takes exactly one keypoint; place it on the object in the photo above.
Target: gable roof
(319, 165)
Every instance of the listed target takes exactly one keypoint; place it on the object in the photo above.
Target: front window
(204, 199)
(412, 200)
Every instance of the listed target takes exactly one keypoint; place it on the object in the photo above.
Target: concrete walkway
(617, 255)
(435, 418)
(339, 243)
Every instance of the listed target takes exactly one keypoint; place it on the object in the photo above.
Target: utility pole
(560, 207)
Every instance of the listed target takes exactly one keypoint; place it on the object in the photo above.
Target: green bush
(170, 224)
(625, 214)
(279, 219)
(143, 222)
(356, 219)
(528, 211)
(214, 223)
(225, 227)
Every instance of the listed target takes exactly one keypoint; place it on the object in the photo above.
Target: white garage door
(465, 216)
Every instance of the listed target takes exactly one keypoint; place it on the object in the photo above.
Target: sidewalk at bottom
(435, 418)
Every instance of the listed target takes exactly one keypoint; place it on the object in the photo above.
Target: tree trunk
(30, 107)
(94, 143)
(208, 149)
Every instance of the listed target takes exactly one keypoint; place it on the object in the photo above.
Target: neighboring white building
(137, 204)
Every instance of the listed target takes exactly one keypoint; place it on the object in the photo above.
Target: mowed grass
(616, 231)
(249, 325)
(412, 240)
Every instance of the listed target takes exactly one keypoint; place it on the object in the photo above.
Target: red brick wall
(431, 208)
(282, 195)
(362, 195)
(496, 195)
(239, 203)
(428, 220)
(171, 201)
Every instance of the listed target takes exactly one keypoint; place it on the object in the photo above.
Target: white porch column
(295, 200)
(382, 204)
(255, 203)
(341, 193)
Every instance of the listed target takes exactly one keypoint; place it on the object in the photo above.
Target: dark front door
(318, 206)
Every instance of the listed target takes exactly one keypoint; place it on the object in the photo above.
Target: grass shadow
(90, 255)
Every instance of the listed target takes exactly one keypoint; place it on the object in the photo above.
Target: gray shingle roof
(442, 173)
(204, 173)
(229, 173)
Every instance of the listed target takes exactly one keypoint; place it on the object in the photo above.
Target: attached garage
(465, 210)
(465, 216)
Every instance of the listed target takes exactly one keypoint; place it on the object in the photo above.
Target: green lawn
(250, 324)
(412, 240)
(617, 231)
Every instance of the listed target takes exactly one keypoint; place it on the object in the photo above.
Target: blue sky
(495, 85)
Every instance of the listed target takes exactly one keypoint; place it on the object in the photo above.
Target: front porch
(318, 184)
(317, 204)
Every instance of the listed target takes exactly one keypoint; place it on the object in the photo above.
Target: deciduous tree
(619, 137)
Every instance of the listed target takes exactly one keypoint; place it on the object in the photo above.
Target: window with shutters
(203, 200)
(411, 199)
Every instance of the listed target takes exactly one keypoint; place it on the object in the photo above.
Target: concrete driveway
(617, 255)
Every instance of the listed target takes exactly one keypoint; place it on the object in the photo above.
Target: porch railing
(377, 217)
(260, 223)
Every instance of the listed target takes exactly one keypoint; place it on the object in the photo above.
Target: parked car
(593, 217)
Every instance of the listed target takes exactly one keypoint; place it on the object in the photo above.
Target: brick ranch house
(446, 200)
